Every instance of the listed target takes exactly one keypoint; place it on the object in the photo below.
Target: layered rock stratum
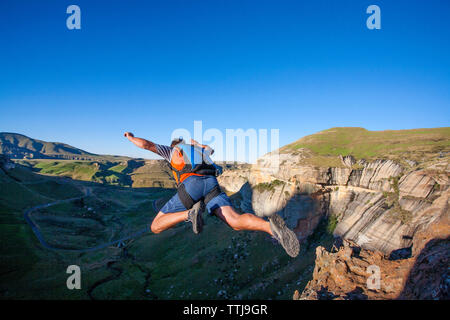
(379, 206)
(383, 207)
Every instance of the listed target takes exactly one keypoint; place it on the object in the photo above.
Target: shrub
(332, 223)
(268, 186)
(392, 200)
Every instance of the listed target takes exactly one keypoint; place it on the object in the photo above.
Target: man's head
(175, 142)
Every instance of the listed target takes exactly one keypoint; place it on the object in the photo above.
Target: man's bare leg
(164, 221)
(248, 221)
(245, 221)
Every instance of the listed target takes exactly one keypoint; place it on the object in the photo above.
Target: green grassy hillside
(30, 271)
(131, 173)
(19, 189)
(419, 145)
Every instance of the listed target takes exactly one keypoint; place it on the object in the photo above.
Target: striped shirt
(164, 151)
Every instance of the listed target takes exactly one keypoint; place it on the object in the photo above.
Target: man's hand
(141, 143)
(204, 146)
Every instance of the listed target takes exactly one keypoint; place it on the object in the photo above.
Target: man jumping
(195, 174)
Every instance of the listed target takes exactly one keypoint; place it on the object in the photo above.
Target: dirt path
(87, 192)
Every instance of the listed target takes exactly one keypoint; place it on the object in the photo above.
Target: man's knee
(155, 227)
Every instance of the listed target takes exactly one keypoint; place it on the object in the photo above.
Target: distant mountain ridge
(19, 146)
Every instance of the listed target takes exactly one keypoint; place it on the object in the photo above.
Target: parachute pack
(190, 160)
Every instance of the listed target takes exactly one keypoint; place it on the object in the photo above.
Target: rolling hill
(324, 148)
(18, 146)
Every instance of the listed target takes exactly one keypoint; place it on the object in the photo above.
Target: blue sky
(150, 67)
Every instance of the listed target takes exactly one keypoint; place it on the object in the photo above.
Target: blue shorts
(198, 187)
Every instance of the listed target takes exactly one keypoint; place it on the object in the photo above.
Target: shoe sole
(197, 220)
(288, 239)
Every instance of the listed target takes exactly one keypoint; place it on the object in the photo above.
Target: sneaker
(285, 236)
(195, 216)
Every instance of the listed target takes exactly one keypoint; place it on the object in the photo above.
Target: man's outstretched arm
(141, 143)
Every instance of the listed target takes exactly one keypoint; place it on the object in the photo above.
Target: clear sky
(150, 67)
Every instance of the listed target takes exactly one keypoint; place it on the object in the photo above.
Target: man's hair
(175, 142)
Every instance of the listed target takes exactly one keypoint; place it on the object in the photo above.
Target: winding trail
(116, 271)
(44, 243)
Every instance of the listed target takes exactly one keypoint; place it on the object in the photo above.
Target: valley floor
(81, 223)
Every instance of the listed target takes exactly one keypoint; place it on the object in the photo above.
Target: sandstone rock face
(391, 218)
(379, 205)
(419, 184)
(339, 176)
(366, 219)
(233, 181)
(347, 161)
(375, 175)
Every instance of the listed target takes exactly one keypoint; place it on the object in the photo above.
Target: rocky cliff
(381, 207)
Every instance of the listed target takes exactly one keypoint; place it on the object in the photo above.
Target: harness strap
(212, 194)
(187, 200)
(192, 157)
